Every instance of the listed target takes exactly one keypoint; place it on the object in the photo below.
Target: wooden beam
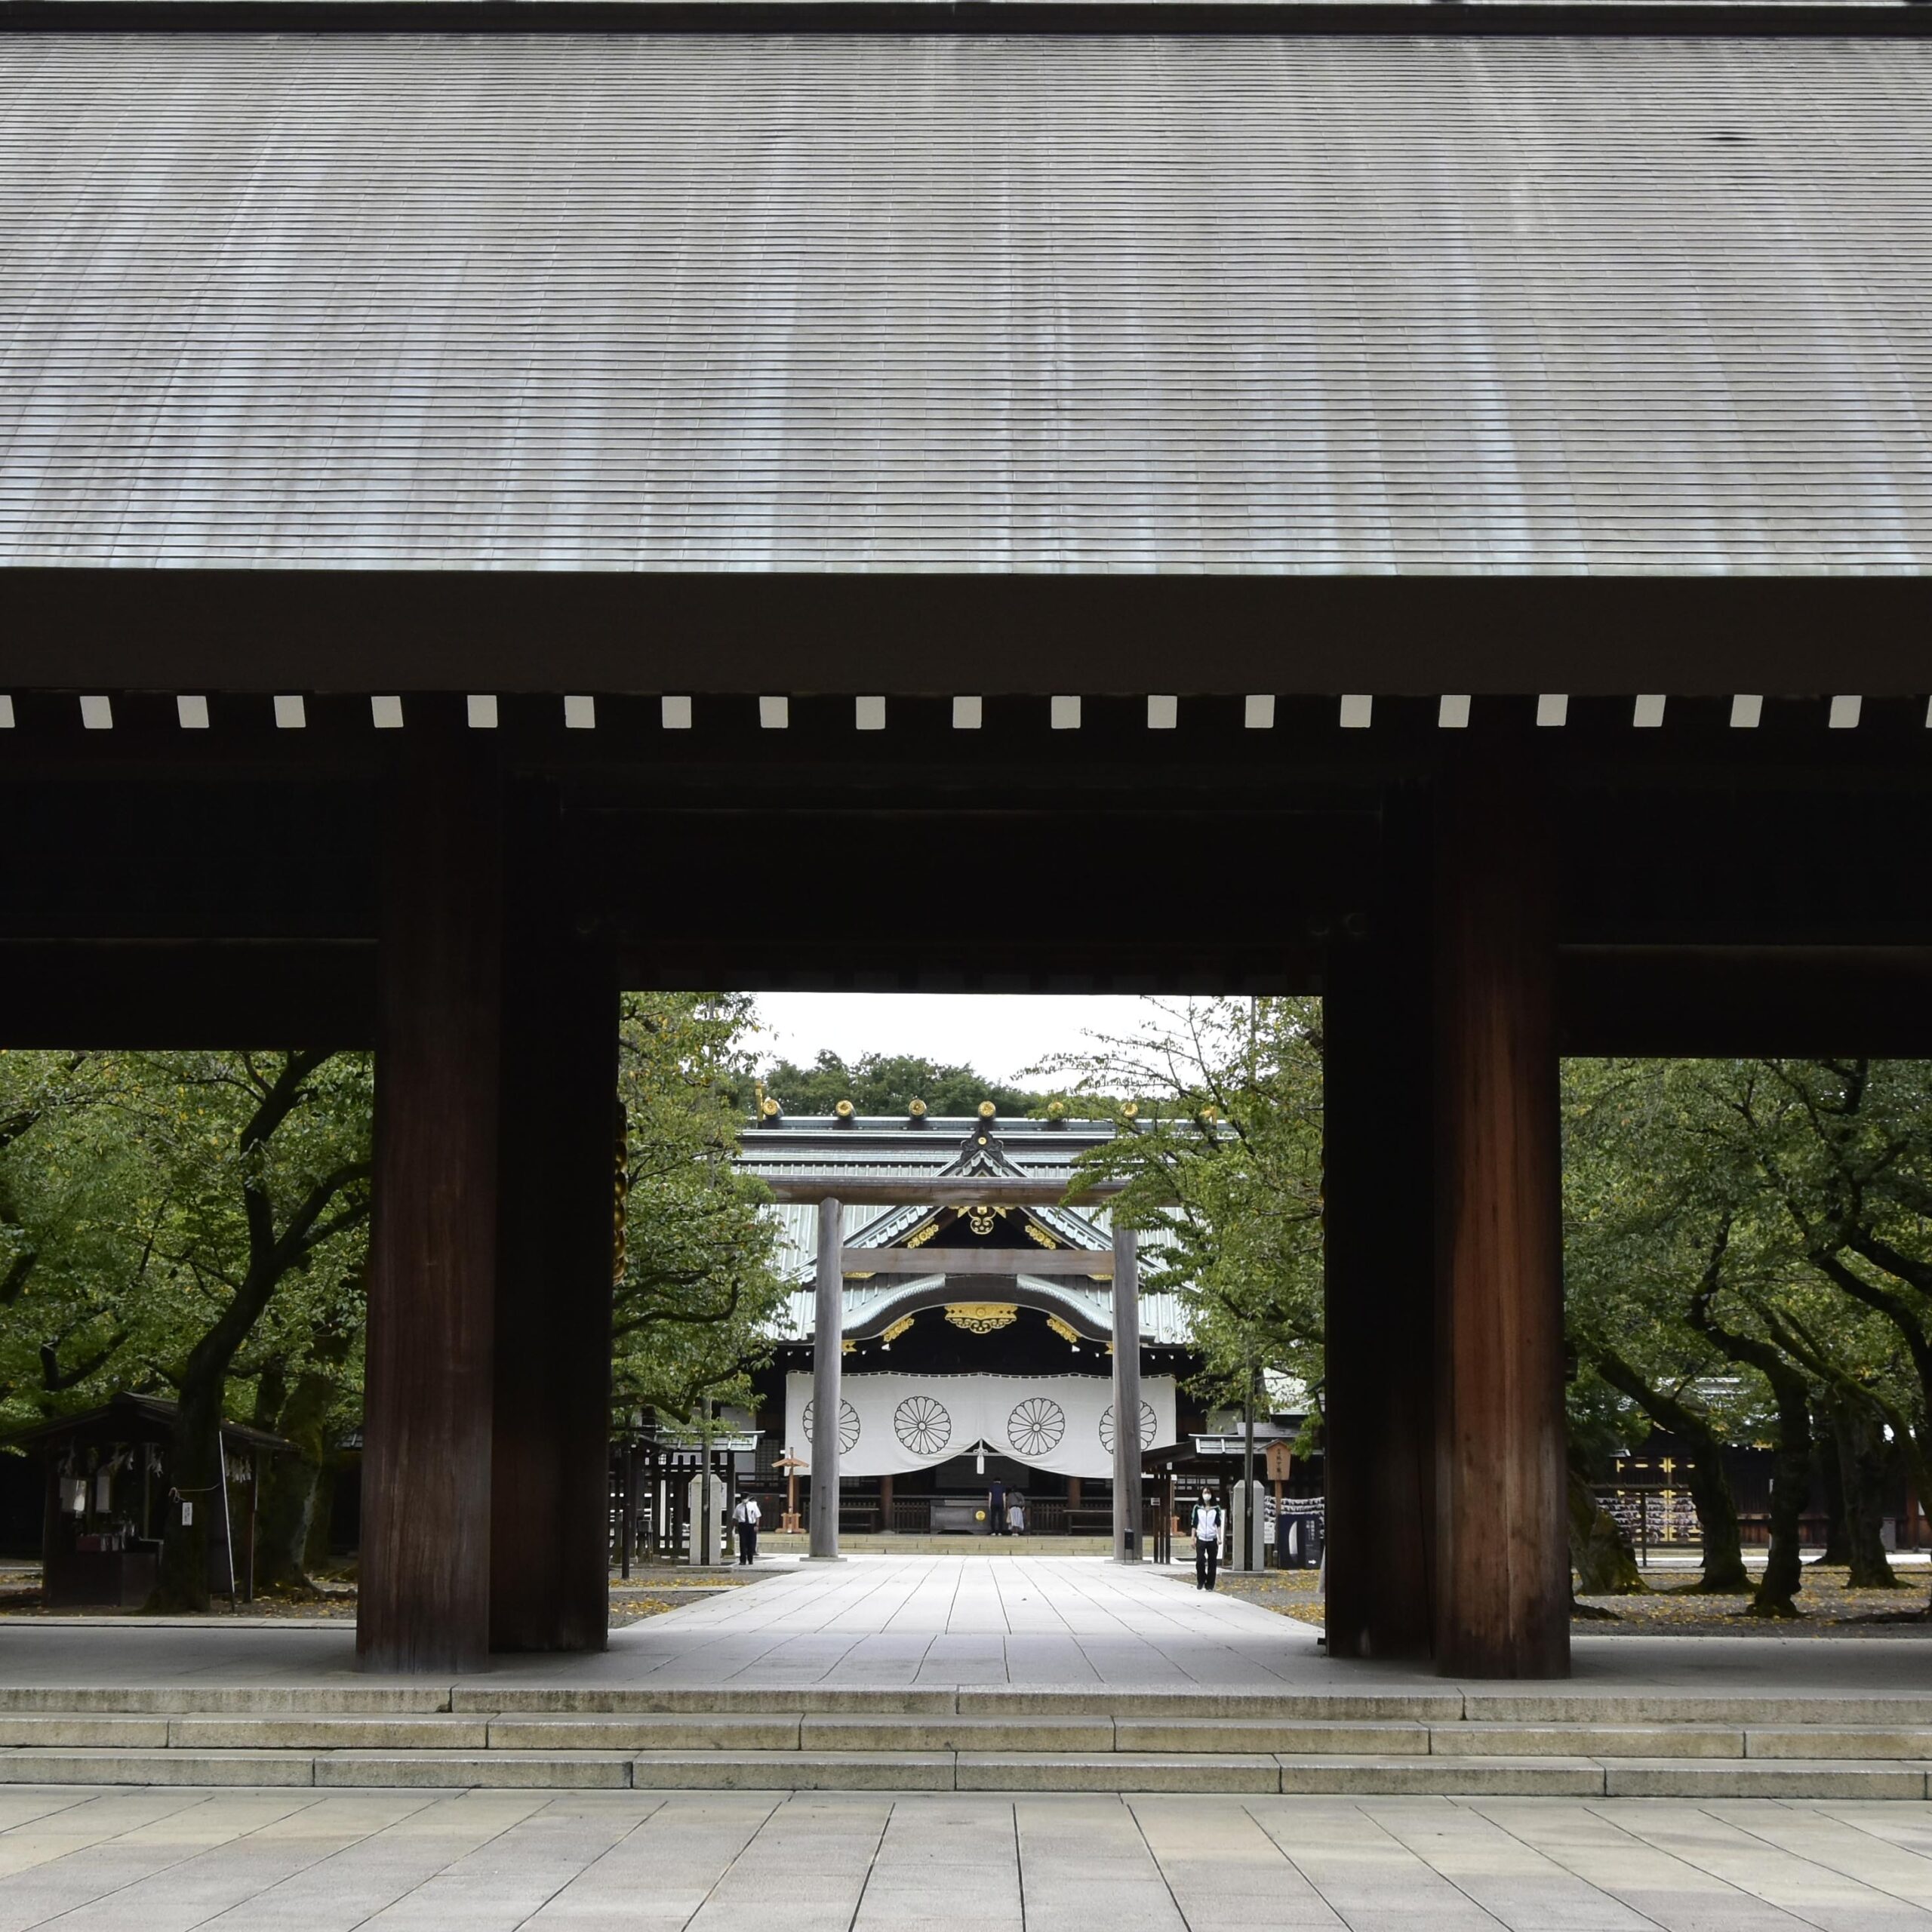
(1712, 1001)
(1502, 1608)
(1379, 1284)
(978, 1261)
(911, 1192)
(425, 1601)
(549, 1490)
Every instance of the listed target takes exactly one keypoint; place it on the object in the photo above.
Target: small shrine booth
(106, 1497)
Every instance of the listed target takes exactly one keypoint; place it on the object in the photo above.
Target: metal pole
(1127, 1396)
(828, 1331)
(1247, 1477)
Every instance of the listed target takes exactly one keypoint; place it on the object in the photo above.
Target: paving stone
(1676, 1778)
(423, 1771)
(1577, 1740)
(982, 1770)
(958, 1734)
(1818, 1740)
(722, 1731)
(168, 1700)
(328, 1733)
(155, 1767)
(1270, 1735)
(75, 1729)
(1667, 1705)
(1545, 1777)
(621, 1699)
(792, 1770)
(1312, 1707)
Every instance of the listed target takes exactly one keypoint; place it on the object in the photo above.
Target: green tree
(192, 1219)
(1222, 1159)
(878, 1084)
(698, 1293)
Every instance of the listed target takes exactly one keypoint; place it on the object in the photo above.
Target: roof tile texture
(718, 303)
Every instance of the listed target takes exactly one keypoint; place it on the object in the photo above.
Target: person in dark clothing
(745, 1517)
(1207, 1541)
(996, 1507)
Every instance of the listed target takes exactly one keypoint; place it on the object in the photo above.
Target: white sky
(996, 1034)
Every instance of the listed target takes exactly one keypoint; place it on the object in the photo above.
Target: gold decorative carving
(980, 1219)
(897, 1329)
(1035, 1232)
(846, 1348)
(920, 1236)
(982, 1318)
(1065, 1331)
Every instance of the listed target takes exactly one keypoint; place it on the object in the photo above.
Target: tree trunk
(1711, 1494)
(1831, 1480)
(1600, 1552)
(288, 1497)
(194, 1480)
(1791, 1489)
(1865, 1465)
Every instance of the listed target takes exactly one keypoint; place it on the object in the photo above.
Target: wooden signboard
(1280, 1462)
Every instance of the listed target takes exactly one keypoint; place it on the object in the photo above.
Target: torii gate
(833, 1190)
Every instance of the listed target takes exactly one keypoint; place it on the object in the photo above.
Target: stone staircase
(1507, 1740)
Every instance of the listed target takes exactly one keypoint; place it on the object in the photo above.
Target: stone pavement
(257, 1861)
(939, 1622)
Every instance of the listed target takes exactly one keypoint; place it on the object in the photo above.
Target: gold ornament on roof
(1065, 1331)
(921, 1236)
(1035, 1232)
(987, 1110)
(917, 1109)
(982, 1318)
(897, 1329)
(980, 1220)
(844, 1110)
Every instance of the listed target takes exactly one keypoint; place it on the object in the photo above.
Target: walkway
(944, 1622)
(490, 1861)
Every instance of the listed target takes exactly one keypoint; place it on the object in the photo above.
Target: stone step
(1152, 1719)
(974, 1770)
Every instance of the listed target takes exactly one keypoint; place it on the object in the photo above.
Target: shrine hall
(1426, 505)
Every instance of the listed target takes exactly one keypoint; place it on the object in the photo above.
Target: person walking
(744, 1520)
(1207, 1541)
(996, 1507)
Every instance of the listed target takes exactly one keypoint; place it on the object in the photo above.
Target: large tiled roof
(988, 302)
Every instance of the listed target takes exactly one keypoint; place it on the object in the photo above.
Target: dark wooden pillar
(1503, 1606)
(425, 1583)
(1378, 1396)
(550, 1464)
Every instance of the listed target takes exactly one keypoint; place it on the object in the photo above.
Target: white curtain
(891, 1423)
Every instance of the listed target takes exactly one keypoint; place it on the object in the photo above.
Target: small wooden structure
(107, 1492)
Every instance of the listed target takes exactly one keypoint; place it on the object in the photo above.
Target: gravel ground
(1828, 1608)
(629, 1604)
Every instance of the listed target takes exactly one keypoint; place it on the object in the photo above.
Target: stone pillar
(1379, 1264)
(828, 1334)
(425, 1592)
(1127, 1396)
(550, 1483)
(1503, 1606)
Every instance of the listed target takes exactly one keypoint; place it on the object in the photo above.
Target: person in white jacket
(1207, 1541)
(745, 1521)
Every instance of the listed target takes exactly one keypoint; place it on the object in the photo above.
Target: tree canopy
(889, 1084)
(1221, 1157)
